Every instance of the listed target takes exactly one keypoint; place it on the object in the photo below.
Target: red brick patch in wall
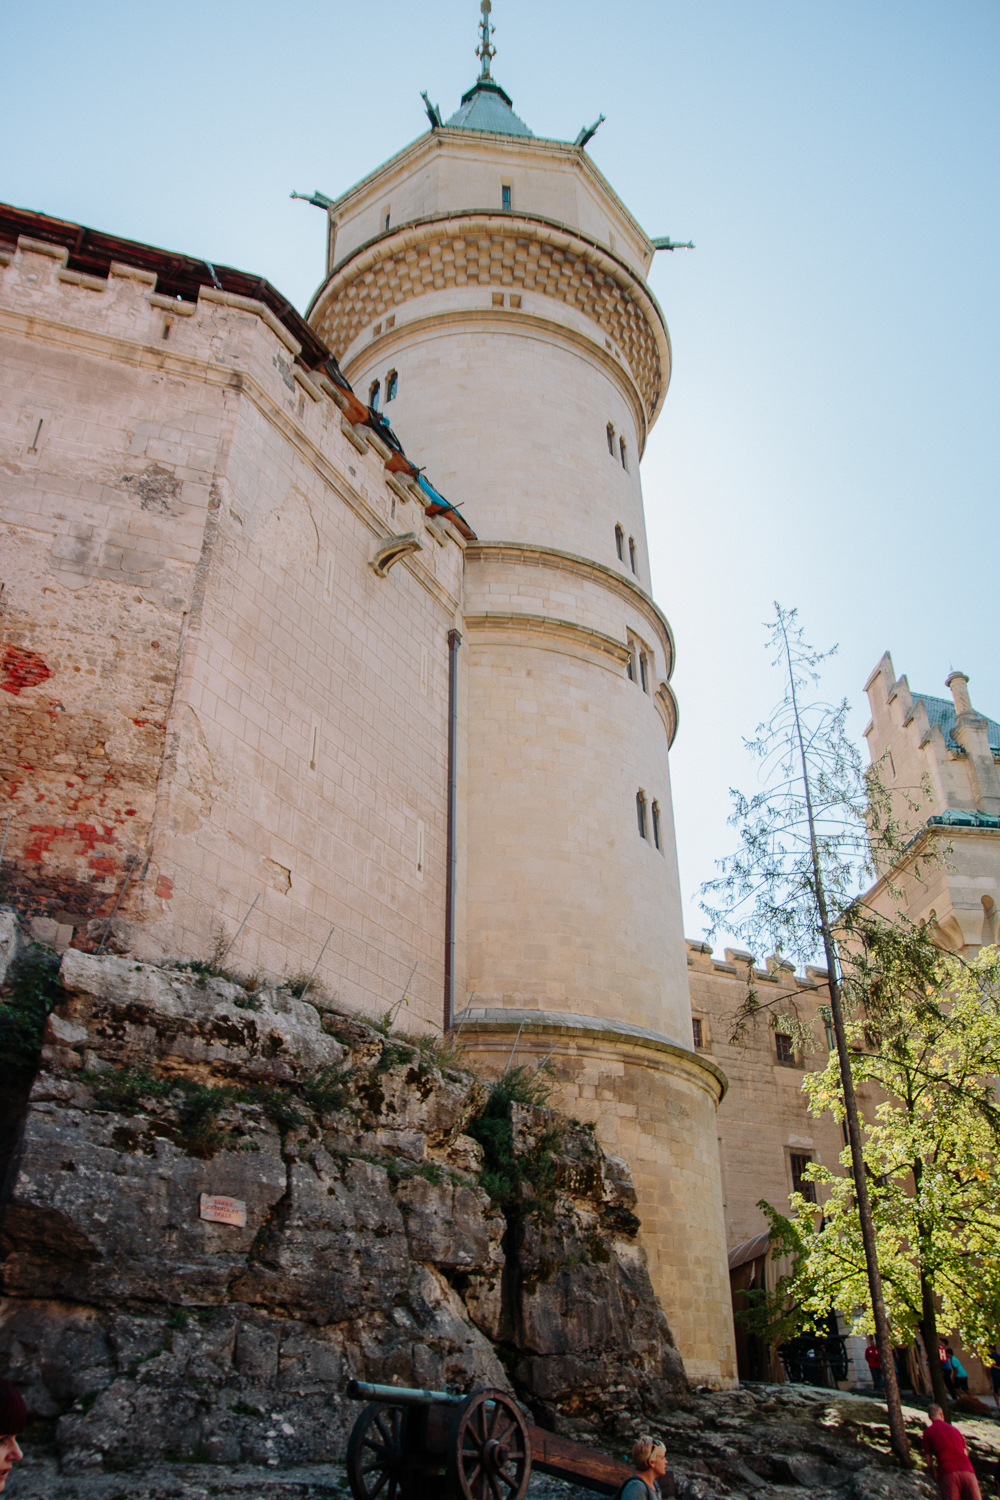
(20, 669)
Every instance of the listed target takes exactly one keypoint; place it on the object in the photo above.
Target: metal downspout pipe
(454, 641)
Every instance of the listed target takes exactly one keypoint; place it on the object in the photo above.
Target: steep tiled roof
(942, 711)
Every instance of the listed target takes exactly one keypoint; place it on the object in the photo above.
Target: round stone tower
(486, 289)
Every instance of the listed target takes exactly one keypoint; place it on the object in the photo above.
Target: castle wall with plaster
(259, 725)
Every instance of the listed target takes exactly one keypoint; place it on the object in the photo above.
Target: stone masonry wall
(202, 679)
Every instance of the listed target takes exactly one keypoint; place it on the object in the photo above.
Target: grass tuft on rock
(516, 1183)
(32, 991)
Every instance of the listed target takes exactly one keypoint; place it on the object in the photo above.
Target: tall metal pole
(454, 641)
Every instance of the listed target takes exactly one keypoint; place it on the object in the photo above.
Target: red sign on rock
(222, 1210)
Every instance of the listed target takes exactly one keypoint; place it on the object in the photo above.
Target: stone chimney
(970, 733)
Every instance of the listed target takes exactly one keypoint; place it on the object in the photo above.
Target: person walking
(874, 1361)
(944, 1354)
(649, 1462)
(948, 1459)
(958, 1371)
(12, 1421)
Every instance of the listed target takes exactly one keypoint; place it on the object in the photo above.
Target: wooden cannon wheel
(489, 1451)
(375, 1453)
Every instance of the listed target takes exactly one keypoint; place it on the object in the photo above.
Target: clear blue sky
(830, 437)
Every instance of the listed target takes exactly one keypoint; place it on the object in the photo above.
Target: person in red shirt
(948, 1459)
(874, 1363)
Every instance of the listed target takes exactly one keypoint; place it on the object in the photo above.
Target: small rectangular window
(801, 1184)
(620, 543)
(783, 1047)
(827, 1019)
(373, 394)
(386, 215)
(696, 1028)
(611, 440)
(624, 453)
(656, 824)
(631, 555)
(391, 385)
(640, 813)
(643, 672)
(505, 195)
(420, 850)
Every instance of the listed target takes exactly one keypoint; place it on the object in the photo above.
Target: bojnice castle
(340, 628)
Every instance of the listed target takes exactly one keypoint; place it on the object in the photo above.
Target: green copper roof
(941, 711)
(487, 107)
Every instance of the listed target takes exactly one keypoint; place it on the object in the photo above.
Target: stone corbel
(392, 550)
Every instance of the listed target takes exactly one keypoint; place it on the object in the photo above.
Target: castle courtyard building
(264, 683)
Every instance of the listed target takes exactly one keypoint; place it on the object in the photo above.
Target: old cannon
(430, 1445)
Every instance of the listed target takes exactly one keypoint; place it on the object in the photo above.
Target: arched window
(622, 450)
(611, 440)
(620, 543)
(391, 386)
(631, 556)
(373, 394)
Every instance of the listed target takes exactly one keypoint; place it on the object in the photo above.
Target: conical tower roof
(487, 107)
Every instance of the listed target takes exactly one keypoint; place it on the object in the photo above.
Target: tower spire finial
(485, 50)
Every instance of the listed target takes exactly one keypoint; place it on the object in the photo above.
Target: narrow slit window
(386, 215)
(631, 556)
(611, 440)
(640, 813)
(698, 1033)
(391, 386)
(783, 1047)
(624, 453)
(656, 823)
(505, 195)
(629, 668)
(831, 1040)
(800, 1183)
(620, 543)
(374, 391)
(644, 671)
(420, 850)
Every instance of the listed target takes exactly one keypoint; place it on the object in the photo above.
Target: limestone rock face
(145, 1332)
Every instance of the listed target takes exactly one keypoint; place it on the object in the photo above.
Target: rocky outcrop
(365, 1244)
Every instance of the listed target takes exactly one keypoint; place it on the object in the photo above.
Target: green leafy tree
(820, 828)
(928, 1039)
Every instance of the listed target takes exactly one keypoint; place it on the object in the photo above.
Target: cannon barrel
(400, 1395)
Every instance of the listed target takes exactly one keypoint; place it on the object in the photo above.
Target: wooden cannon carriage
(429, 1445)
